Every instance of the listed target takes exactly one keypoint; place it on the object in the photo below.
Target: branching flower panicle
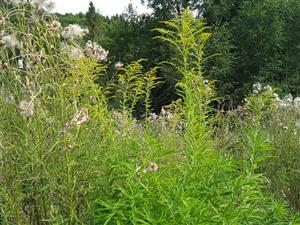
(257, 88)
(81, 117)
(296, 102)
(76, 53)
(26, 108)
(47, 5)
(55, 26)
(10, 41)
(72, 51)
(73, 32)
(95, 51)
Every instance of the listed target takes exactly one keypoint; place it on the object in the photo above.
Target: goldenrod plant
(188, 36)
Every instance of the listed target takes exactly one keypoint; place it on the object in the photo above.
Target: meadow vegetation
(80, 144)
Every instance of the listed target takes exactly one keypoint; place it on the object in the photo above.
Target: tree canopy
(255, 40)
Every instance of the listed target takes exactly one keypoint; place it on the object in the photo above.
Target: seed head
(81, 117)
(73, 31)
(55, 26)
(256, 88)
(151, 168)
(95, 51)
(26, 108)
(297, 102)
(10, 41)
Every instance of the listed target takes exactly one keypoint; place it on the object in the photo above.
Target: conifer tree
(92, 22)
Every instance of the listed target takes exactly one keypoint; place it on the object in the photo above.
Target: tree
(165, 9)
(221, 60)
(70, 18)
(258, 35)
(219, 12)
(290, 11)
(92, 20)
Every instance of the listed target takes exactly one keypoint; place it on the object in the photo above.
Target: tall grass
(279, 129)
(69, 156)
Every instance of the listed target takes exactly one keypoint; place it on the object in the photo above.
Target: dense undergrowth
(73, 153)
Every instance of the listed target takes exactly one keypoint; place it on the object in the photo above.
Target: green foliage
(167, 194)
(273, 131)
(92, 22)
(261, 105)
(220, 63)
(134, 85)
(130, 85)
(70, 156)
(189, 36)
(283, 167)
(237, 26)
(269, 25)
(166, 9)
(260, 25)
(70, 18)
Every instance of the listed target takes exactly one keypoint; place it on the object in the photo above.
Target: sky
(105, 7)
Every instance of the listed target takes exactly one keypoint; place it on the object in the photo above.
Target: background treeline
(253, 40)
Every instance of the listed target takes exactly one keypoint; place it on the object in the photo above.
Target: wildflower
(118, 116)
(95, 51)
(296, 102)
(65, 129)
(26, 108)
(288, 100)
(151, 168)
(72, 51)
(43, 4)
(256, 88)
(49, 5)
(119, 65)
(8, 97)
(163, 111)
(76, 53)
(169, 115)
(205, 81)
(20, 64)
(73, 31)
(10, 41)
(268, 88)
(153, 117)
(81, 117)
(15, 2)
(275, 95)
(55, 26)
